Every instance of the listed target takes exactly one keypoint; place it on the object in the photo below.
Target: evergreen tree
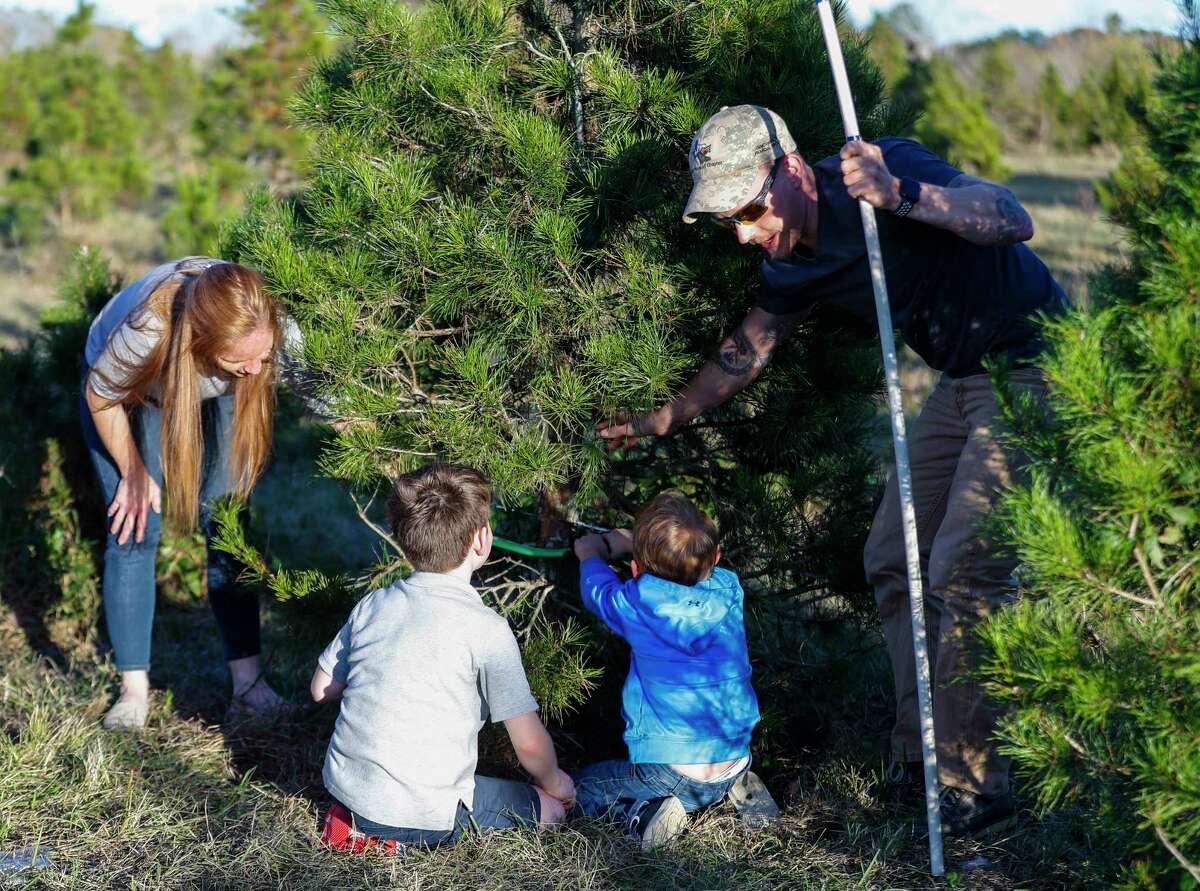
(1125, 86)
(1100, 663)
(162, 87)
(955, 125)
(80, 138)
(192, 222)
(1052, 104)
(487, 257)
(243, 117)
(1003, 99)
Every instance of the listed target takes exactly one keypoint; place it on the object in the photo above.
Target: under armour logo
(701, 153)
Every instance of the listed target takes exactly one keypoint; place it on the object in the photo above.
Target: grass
(178, 808)
(192, 804)
(30, 275)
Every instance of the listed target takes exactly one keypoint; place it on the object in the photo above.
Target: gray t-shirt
(115, 344)
(425, 663)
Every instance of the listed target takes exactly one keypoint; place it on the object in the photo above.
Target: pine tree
(487, 257)
(1052, 103)
(243, 117)
(1125, 86)
(1003, 99)
(955, 125)
(192, 223)
(162, 87)
(1099, 663)
(79, 137)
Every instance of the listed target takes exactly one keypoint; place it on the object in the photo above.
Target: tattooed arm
(739, 359)
(974, 209)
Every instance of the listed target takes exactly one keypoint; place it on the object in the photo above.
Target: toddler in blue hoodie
(688, 704)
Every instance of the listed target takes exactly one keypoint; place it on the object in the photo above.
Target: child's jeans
(129, 568)
(617, 789)
(497, 804)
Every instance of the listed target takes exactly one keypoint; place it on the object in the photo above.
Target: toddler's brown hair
(675, 540)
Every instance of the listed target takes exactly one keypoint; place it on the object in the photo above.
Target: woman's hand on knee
(137, 494)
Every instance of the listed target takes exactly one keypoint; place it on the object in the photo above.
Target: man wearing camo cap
(962, 288)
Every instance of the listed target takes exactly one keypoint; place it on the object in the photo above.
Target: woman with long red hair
(177, 410)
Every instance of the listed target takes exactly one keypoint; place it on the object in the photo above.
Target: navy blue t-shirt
(954, 302)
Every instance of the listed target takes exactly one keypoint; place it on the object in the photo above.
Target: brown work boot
(972, 815)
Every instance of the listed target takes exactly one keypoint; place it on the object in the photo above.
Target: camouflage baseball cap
(726, 154)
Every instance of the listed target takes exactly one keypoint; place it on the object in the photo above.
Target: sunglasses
(751, 212)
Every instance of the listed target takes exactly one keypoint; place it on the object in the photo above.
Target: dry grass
(190, 804)
(29, 275)
(1073, 237)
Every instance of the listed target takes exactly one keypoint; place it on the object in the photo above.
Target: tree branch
(1144, 601)
(1178, 574)
(577, 99)
(1177, 854)
(1141, 560)
(362, 515)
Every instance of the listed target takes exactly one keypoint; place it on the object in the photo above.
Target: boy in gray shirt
(419, 667)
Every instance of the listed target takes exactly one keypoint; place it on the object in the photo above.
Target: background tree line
(1073, 92)
(92, 119)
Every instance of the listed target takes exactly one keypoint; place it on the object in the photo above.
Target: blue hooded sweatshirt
(688, 698)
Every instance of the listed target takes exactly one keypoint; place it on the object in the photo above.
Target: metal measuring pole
(891, 371)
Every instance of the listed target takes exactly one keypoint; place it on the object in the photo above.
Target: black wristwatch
(910, 194)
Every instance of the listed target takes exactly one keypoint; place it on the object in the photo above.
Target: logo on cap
(702, 152)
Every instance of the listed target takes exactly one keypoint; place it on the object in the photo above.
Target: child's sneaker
(338, 832)
(658, 822)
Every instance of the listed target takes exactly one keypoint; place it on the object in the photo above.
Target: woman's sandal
(240, 708)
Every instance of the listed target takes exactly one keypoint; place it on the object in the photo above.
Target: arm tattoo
(738, 357)
(1009, 222)
(1013, 218)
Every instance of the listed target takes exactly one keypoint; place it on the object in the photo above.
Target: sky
(952, 21)
(949, 21)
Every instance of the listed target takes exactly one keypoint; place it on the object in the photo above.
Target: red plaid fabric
(338, 832)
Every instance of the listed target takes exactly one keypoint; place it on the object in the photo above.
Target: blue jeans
(497, 804)
(616, 790)
(129, 568)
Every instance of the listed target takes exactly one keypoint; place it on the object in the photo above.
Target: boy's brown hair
(435, 511)
(675, 540)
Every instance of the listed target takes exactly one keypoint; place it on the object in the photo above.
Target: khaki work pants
(959, 468)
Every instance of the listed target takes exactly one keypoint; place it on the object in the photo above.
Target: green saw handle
(529, 550)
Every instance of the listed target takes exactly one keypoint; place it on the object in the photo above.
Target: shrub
(1100, 663)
